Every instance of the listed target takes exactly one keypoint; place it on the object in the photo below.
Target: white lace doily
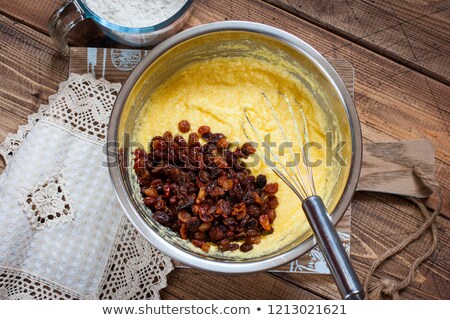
(63, 234)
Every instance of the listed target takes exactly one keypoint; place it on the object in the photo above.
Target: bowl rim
(234, 266)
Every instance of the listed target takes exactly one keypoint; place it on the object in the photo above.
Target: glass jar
(75, 11)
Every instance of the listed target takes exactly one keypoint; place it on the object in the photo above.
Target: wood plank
(415, 33)
(372, 234)
(31, 13)
(31, 70)
(442, 174)
(195, 284)
(432, 281)
(387, 167)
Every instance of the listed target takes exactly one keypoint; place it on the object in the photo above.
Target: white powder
(135, 13)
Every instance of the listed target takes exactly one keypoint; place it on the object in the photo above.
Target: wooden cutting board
(386, 167)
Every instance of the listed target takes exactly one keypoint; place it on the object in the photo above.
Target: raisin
(155, 183)
(150, 201)
(240, 236)
(246, 247)
(254, 210)
(160, 205)
(222, 143)
(247, 149)
(192, 224)
(266, 232)
(193, 138)
(161, 217)
(204, 130)
(151, 192)
(156, 143)
(216, 137)
(261, 181)
(224, 206)
(203, 176)
(184, 126)
(229, 221)
(220, 162)
(271, 188)
(215, 233)
(198, 243)
(184, 231)
(205, 247)
(199, 235)
(227, 185)
(264, 221)
(254, 240)
(205, 226)
(180, 141)
(217, 192)
(201, 195)
(257, 198)
(205, 217)
(205, 192)
(239, 209)
(272, 202)
(252, 233)
(223, 245)
(252, 223)
(208, 136)
(183, 216)
(167, 136)
(166, 190)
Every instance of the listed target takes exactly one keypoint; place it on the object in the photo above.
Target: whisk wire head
(301, 186)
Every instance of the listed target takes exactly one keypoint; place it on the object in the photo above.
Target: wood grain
(400, 218)
(414, 32)
(194, 284)
(394, 103)
(31, 70)
(31, 13)
(387, 167)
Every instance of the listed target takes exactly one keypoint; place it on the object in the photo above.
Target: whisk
(301, 181)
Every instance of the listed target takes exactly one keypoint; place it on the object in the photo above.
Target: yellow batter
(214, 93)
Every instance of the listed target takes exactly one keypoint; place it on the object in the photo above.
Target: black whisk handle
(328, 239)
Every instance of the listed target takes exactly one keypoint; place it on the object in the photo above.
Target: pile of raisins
(205, 193)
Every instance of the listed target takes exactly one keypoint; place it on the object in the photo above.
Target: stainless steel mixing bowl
(205, 42)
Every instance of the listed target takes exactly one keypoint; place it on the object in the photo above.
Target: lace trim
(83, 105)
(20, 285)
(136, 269)
(47, 204)
(83, 113)
(13, 141)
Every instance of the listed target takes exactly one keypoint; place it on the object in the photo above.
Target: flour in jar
(135, 13)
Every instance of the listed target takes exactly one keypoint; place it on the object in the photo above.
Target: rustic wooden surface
(397, 98)
(413, 32)
(387, 167)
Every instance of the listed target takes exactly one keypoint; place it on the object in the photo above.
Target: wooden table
(401, 53)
